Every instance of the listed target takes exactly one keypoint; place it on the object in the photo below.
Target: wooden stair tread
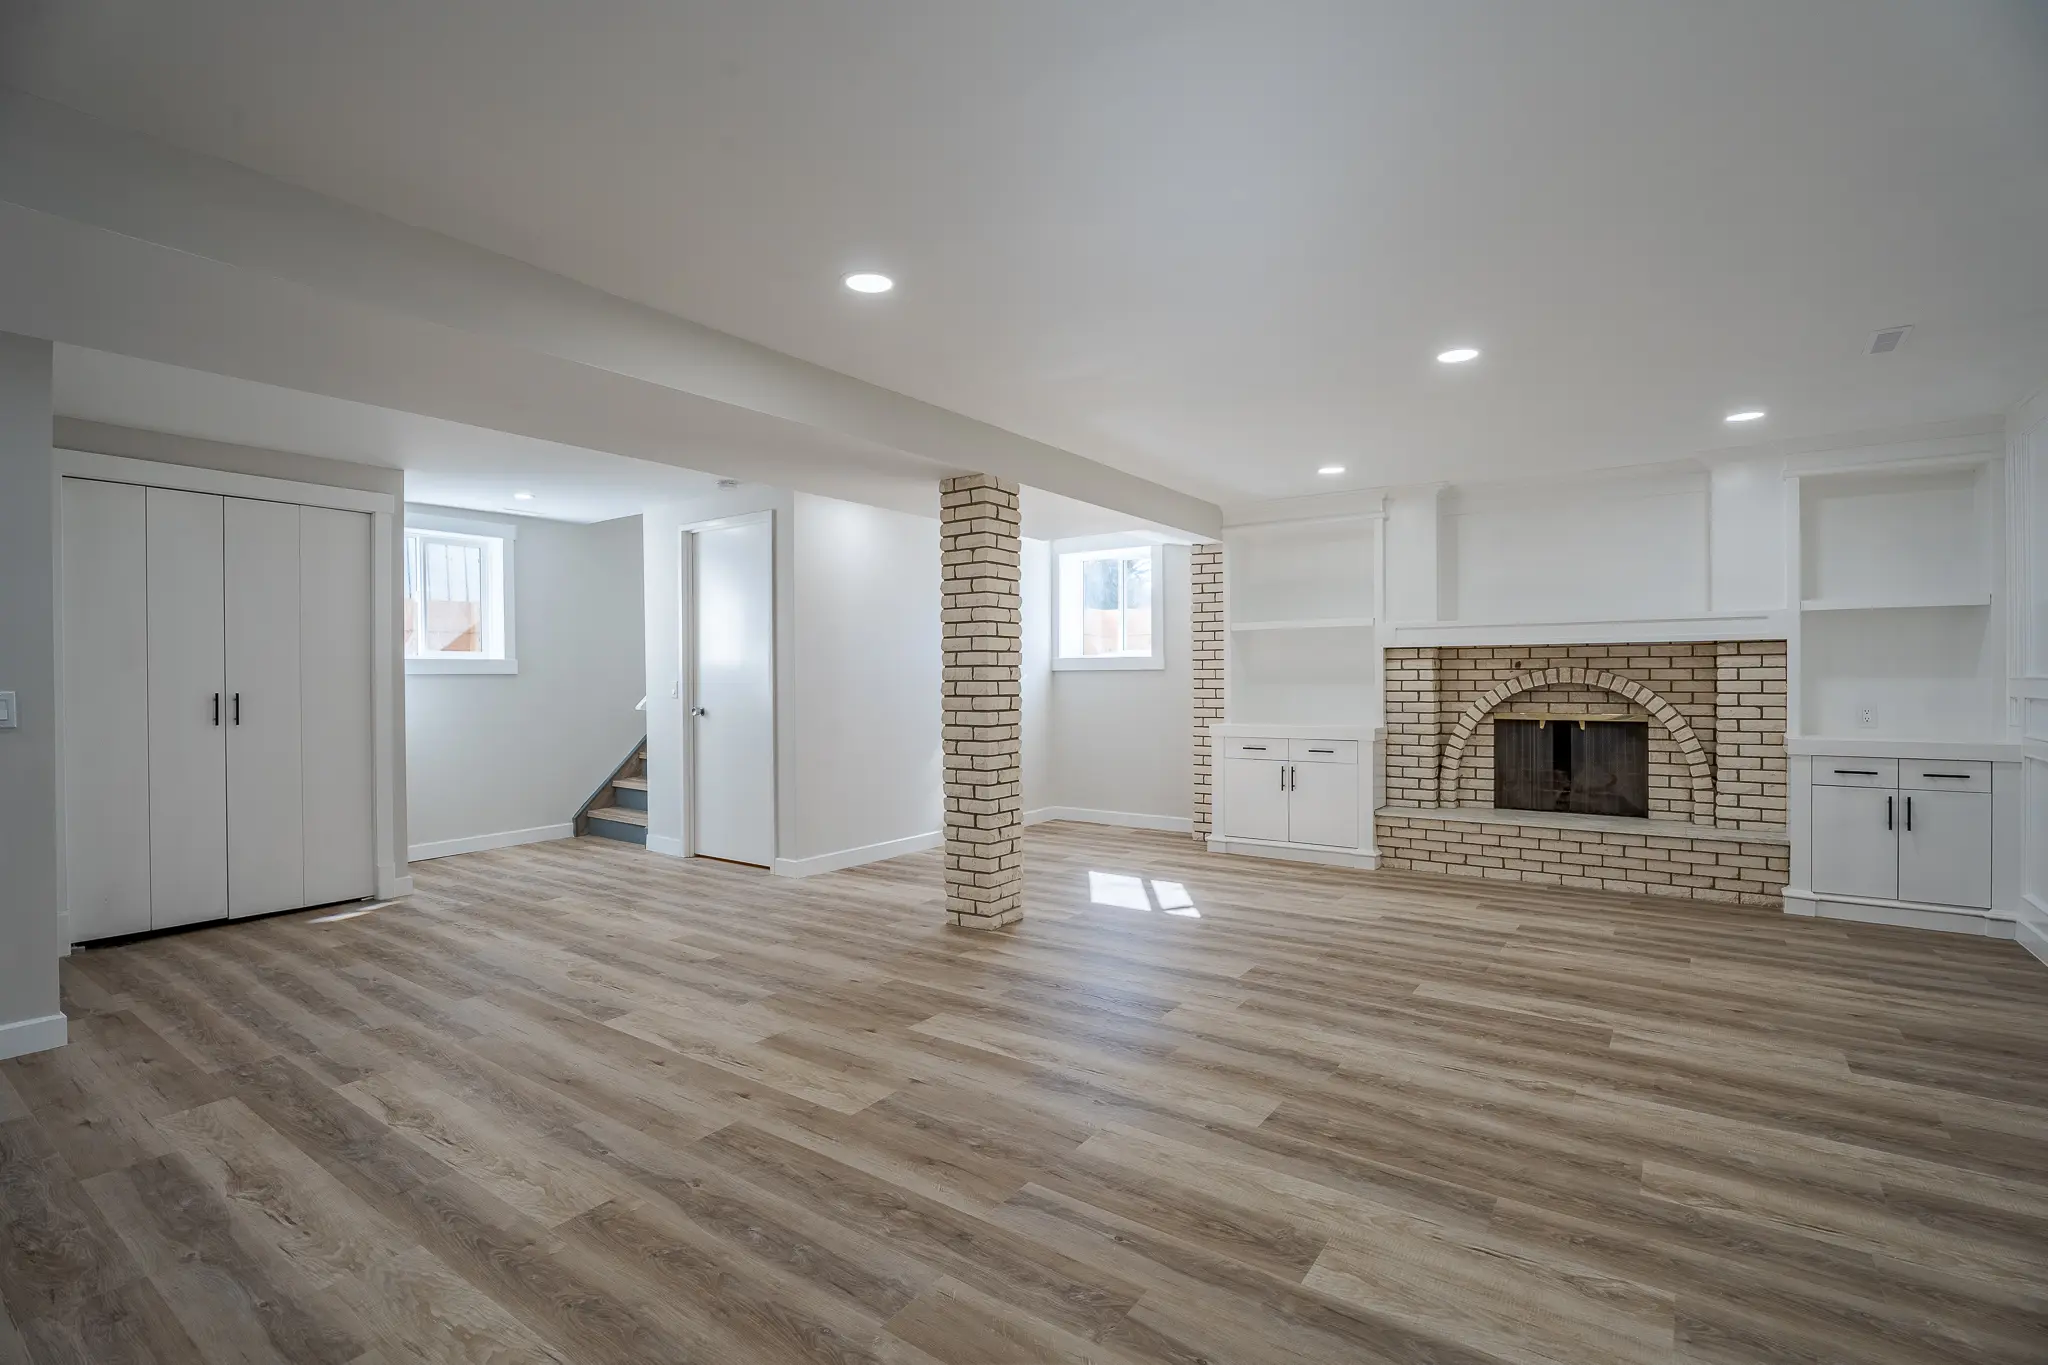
(620, 815)
(638, 784)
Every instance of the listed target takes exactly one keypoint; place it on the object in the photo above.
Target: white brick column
(983, 651)
(1207, 634)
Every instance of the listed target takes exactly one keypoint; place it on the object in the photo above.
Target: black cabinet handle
(1950, 777)
(216, 708)
(1283, 777)
(1322, 751)
(1856, 772)
(1888, 812)
(238, 708)
(1255, 748)
(1909, 815)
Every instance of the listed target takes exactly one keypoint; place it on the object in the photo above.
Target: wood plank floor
(576, 1103)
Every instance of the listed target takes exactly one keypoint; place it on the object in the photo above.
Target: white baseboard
(664, 845)
(1367, 859)
(1898, 914)
(390, 884)
(24, 1036)
(448, 848)
(2031, 932)
(1176, 824)
(854, 857)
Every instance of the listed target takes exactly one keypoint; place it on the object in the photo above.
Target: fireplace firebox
(1584, 767)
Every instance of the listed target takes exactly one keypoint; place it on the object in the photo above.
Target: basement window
(458, 595)
(1107, 603)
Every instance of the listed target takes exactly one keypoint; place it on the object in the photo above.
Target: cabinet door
(105, 616)
(188, 769)
(1254, 799)
(334, 682)
(266, 832)
(1323, 804)
(1856, 841)
(1945, 848)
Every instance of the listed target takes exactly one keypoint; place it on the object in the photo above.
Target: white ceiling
(448, 464)
(1216, 245)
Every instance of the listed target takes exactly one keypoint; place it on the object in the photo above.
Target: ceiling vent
(728, 483)
(1889, 340)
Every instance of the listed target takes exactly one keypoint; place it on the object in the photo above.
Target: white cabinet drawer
(1323, 751)
(1944, 775)
(1856, 772)
(1255, 748)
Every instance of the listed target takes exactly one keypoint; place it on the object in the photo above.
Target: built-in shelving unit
(1302, 610)
(1894, 571)
(1953, 599)
(1323, 623)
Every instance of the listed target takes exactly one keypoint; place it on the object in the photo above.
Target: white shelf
(1307, 623)
(1975, 599)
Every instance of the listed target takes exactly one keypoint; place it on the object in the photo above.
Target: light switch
(8, 719)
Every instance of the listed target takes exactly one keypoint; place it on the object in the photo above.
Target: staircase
(618, 810)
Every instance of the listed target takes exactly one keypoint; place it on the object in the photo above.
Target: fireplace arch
(1661, 712)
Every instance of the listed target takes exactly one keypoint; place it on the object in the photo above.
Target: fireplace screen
(1600, 767)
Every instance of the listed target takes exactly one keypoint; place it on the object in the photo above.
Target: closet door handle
(216, 708)
(238, 708)
(1283, 777)
(1909, 815)
(1888, 812)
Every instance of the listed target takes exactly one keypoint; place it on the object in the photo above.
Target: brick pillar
(1749, 734)
(1206, 630)
(1414, 727)
(983, 651)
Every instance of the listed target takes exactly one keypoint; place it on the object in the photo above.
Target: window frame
(498, 541)
(1120, 547)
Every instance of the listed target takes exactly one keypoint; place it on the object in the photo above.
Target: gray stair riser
(613, 829)
(629, 799)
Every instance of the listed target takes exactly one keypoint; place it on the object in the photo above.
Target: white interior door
(1322, 805)
(1254, 799)
(732, 573)
(105, 614)
(334, 684)
(1856, 841)
(188, 769)
(266, 831)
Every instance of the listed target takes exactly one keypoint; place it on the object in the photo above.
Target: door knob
(698, 711)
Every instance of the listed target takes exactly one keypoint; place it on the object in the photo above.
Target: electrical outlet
(1866, 717)
(9, 718)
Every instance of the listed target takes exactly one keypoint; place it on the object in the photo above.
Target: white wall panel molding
(1770, 625)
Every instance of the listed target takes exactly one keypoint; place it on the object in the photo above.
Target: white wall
(1120, 739)
(507, 758)
(1630, 545)
(1035, 673)
(866, 713)
(31, 927)
(2027, 523)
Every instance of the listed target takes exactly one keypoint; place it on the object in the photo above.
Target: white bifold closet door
(188, 710)
(105, 611)
(266, 823)
(334, 680)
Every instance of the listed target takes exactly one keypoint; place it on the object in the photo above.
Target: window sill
(1115, 663)
(417, 667)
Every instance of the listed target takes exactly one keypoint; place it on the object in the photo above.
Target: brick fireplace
(1711, 721)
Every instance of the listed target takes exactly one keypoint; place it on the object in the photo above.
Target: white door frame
(686, 640)
(384, 532)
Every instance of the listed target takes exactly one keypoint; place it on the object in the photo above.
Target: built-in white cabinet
(1918, 831)
(1295, 791)
(217, 725)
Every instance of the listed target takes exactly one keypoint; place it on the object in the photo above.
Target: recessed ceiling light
(1458, 355)
(1746, 415)
(865, 283)
(1331, 469)
(523, 496)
